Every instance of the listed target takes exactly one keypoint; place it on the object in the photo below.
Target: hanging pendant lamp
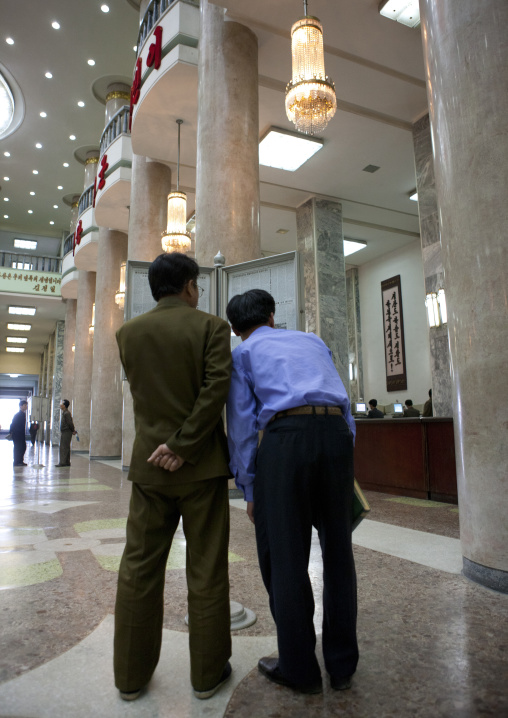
(176, 238)
(310, 96)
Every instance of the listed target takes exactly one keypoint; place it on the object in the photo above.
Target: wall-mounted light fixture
(436, 308)
(120, 295)
(91, 328)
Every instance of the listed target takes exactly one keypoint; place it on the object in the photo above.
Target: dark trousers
(19, 448)
(305, 478)
(153, 519)
(65, 448)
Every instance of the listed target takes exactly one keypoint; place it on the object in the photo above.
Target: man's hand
(250, 510)
(165, 458)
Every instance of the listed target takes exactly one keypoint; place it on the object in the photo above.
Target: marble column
(321, 246)
(58, 362)
(227, 175)
(68, 354)
(83, 357)
(106, 408)
(466, 57)
(118, 95)
(432, 264)
(354, 331)
(49, 388)
(150, 186)
(91, 164)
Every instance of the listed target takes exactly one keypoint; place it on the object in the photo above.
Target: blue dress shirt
(273, 370)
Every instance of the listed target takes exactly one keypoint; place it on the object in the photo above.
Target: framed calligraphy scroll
(393, 325)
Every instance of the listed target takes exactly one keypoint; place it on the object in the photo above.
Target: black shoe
(341, 684)
(22, 464)
(59, 466)
(226, 675)
(269, 667)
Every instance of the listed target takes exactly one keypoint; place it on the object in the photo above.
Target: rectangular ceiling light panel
(19, 350)
(407, 12)
(17, 340)
(351, 246)
(29, 311)
(25, 244)
(287, 150)
(18, 327)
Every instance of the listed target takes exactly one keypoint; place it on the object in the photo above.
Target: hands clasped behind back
(165, 458)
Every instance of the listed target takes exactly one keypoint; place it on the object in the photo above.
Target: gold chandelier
(310, 95)
(176, 238)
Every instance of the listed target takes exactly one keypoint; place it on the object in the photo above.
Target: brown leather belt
(299, 410)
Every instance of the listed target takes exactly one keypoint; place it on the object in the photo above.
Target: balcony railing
(68, 244)
(30, 262)
(86, 200)
(153, 13)
(118, 125)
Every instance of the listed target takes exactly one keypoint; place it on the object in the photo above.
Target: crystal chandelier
(310, 96)
(176, 238)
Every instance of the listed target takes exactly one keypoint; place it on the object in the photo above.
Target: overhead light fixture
(104, 8)
(16, 340)
(43, 114)
(9, 40)
(310, 95)
(176, 238)
(29, 311)
(413, 196)
(35, 172)
(407, 12)
(353, 245)
(55, 25)
(91, 62)
(7, 154)
(18, 350)
(38, 145)
(32, 194)
(6, 199)
(6, 179)
(30, 211)
(18, 327)
(6, 216)
(48, 75)
(120, 295)
(65, 164)
(72, 137)
(286, 150)
(91, 328)
(25, 244)
(14, 376)
(51, 222)
(81, 103)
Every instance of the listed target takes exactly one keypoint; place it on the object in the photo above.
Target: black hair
(373, 402)
(250, 309)
(66, 403)
(23, 401)
(408, 402)
(430, 393)
(169, 273)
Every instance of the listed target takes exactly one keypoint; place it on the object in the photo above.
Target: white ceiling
(376, 64)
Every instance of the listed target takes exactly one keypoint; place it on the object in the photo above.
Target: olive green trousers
(154, 515)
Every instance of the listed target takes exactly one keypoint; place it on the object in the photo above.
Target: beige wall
(20, 363)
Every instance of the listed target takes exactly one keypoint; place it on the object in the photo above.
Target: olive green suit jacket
(178, 363)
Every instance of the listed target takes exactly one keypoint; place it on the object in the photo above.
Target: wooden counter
(407, 457)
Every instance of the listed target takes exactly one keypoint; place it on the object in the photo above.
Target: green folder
(360, 506)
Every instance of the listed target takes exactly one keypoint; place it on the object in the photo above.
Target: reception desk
(407, 457)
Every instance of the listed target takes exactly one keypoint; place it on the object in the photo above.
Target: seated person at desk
(410, 410)
(374, 412)
(427, 407)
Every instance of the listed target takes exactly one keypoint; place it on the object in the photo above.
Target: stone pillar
(150, 186)
(49, 387)
(432, 264)
(321, 246)
(466, 57)
(68, 355)
(354, 331)
(83, 357)
(58, 362)
(106, 409)
(117, 96)
(227, 175)
(91, 164)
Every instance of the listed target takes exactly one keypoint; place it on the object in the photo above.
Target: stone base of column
(105, 458)
(490, 577)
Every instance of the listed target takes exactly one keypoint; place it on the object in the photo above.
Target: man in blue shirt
(285, 383)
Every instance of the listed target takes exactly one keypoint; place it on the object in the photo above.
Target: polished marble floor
(432, 643)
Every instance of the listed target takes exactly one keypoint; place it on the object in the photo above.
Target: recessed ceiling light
(81, 103)
(48, 75)
(35, 172)
(6, 199)
(30, 211)
(19, 350)
(16, 340)
(65, 164)
(59, 186)
(353, 245)
(72, 137)
(7, 154)
(91, 62)
(104, 8)
(33, 194)
(38, 145)
(18, 327)
(135, 48)
(406, 12)
(29, 311)
(52, 222)
(6, 179)
(25, 244)
(43, 114)
(14, 376)
(9, 40)
(286, 150)
(55, 25)
(6, 216)
(413, 196)
(55, 206)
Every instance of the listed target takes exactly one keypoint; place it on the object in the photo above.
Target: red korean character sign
(153, 59)
(102, 172)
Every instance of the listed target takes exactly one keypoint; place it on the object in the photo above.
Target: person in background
(374, 412)
(34, 428)
(285, 383)
(67, 430)
(410, 410)
(427, 407)
(18, 431)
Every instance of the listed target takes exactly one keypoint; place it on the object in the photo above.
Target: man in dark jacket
(17, 430)
(66, 432)
(374, 412)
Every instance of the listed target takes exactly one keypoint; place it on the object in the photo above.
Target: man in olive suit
(177, 360)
